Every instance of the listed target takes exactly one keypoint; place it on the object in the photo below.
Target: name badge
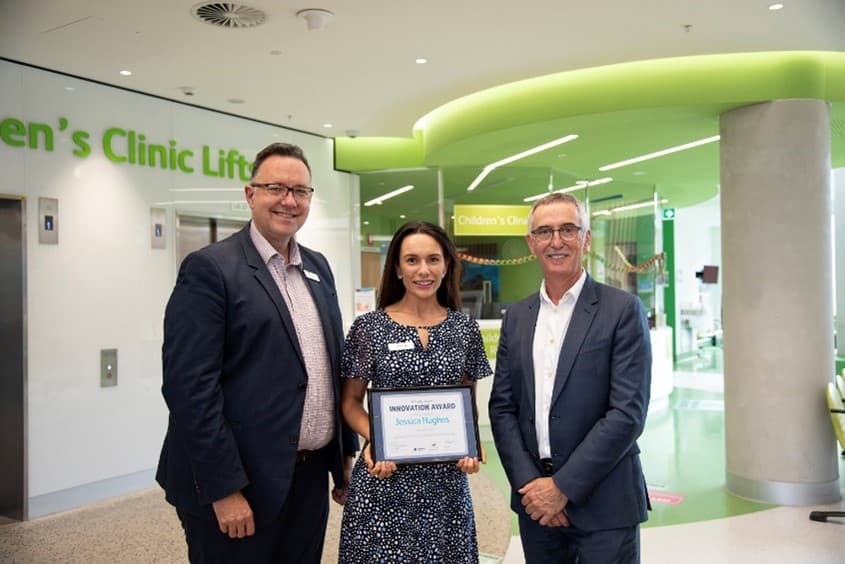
(406, 346)
(311, 275)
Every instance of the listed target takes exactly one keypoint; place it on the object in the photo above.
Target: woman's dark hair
(392, 288)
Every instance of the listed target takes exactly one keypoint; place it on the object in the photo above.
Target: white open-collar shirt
(549, 333)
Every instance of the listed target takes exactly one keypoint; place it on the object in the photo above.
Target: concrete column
(839, 230)
(778, 302)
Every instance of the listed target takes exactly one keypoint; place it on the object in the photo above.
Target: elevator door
(12, 367)
(194, 233)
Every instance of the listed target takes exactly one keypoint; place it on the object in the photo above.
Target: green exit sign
(668, 213)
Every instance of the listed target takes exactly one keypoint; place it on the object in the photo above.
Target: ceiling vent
(226, 14)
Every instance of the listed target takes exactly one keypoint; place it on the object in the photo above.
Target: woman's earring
(399, 276)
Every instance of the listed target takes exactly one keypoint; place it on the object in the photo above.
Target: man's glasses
(567, 232)
(301, 193)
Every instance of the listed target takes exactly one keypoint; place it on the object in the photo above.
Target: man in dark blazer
(569, 399)
(252, 345)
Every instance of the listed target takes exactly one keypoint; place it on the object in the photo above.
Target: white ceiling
(358, 73)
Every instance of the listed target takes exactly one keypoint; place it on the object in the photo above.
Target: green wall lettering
(10, 128)
(107, 147)
(80, 139)
(183, 166)
(176, 158)
(228, 164)
(34, 130)
(128, 146)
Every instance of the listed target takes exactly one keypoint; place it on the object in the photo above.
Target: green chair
(837, 416)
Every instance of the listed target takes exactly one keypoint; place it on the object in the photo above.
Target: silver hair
(556, 197)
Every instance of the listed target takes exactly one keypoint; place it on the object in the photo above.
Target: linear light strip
(379, 200)
(206, 189)
(636, 206)
(581, 184)
(183, 202)
(527, 153)
(661, 153)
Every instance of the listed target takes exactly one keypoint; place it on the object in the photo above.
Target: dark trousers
(295, 536)
(570, 545)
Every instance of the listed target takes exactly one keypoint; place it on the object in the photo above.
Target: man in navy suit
(252, 344)
(569, 399)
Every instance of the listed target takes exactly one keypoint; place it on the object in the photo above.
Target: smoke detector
(227, 14)
(316, 18)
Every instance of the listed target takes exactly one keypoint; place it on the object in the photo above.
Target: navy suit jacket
(234, 380)
(599, 403)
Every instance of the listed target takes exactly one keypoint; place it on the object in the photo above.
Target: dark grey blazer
(235, 379)
(598, 409)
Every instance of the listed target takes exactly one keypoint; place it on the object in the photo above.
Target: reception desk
(661, 367)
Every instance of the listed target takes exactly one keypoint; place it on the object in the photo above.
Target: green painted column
(669, 288)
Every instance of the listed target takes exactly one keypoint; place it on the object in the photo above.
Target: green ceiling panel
(371, 153)
(618, 111)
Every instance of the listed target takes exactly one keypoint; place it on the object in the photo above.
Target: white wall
(103, 286)
(697, 243)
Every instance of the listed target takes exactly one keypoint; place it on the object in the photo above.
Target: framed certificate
(423, 425)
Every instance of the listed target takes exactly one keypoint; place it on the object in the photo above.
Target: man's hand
(339, 493)
(544, 502)
(234, 516)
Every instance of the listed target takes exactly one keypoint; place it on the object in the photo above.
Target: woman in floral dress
(415, 512)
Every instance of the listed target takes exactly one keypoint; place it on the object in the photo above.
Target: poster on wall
(365, 300)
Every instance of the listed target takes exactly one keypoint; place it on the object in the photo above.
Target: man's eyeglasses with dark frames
(301, 193)
(567, 232)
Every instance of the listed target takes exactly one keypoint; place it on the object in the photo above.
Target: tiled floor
(694, 516)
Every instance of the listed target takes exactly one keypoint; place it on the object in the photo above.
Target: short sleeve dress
(422, 513)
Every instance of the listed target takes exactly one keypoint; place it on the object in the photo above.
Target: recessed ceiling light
(421, 61)
(775, 7)
(401, 216)
(235, 100)
(327, 125)
(276, 52)
(69, 88)
(366, 223)
(126, 73)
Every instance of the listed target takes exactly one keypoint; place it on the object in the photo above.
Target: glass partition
(498, 268)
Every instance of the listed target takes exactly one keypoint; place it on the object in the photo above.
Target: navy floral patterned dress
(422, 513)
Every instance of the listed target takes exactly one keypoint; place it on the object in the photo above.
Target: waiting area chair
(836, 405)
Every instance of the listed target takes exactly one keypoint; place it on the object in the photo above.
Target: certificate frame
(423, 425)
